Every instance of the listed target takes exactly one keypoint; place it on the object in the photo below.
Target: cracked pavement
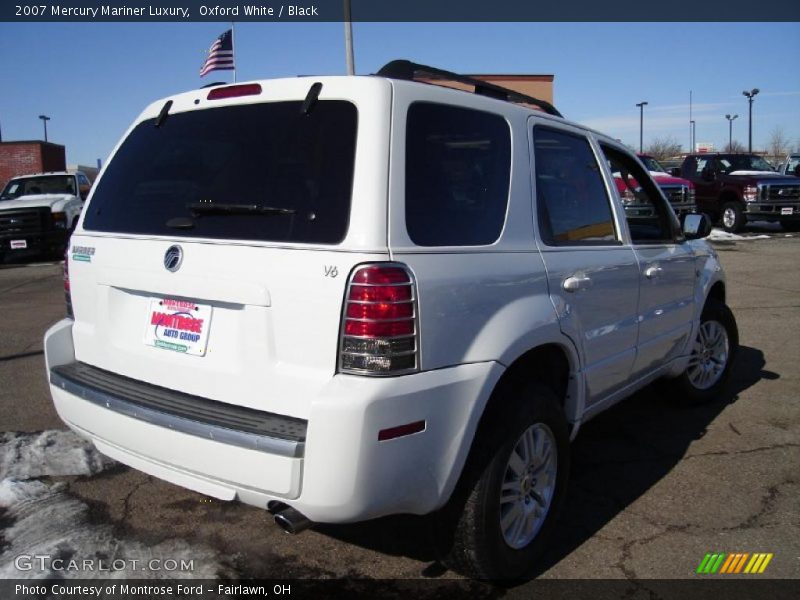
(655, 484)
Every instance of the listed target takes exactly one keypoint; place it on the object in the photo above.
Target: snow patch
(718, 235)
(46, 521)
(29, 455)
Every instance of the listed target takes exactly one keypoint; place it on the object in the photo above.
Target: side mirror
(708, 174)
(675, 171)
(696, 226)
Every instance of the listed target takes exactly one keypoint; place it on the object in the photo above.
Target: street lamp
(694, 139)
(730, 131)
(641, 106)
(749, 95)
(44, 119)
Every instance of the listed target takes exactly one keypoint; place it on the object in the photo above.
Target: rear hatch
(214, 251)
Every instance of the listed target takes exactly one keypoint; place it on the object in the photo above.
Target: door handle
(653, 272)
(576, 283)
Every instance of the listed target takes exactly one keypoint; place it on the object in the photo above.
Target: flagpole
(348, 39)
(233, 50)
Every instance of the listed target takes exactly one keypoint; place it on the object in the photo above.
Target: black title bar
(401, 10)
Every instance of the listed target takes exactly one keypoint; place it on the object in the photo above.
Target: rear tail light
(379, 334)
(67, 291)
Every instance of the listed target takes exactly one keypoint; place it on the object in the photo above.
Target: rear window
(262, 172)
(458, 163)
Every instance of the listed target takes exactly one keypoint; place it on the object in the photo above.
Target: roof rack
(410, 71)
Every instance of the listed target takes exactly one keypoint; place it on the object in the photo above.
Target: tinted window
(571, 199)
(458, 163)
(262, 156)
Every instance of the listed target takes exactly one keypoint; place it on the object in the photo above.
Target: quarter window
(458, 163)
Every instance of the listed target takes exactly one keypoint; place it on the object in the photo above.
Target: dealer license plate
(787, 210)
(18, 244)
(178, 325)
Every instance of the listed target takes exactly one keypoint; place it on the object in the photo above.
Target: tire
(713, 352)
(507, 502)
(732, 218)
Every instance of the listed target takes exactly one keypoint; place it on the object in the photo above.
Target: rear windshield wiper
(213, 208)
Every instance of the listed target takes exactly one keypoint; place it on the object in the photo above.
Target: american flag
(220, 55)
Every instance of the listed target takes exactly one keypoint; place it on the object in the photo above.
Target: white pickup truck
(38, 212)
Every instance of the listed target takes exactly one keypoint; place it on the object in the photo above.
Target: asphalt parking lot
(655, 485)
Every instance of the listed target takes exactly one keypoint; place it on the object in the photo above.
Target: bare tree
(661, 148)
(778, 145)
(735, 146)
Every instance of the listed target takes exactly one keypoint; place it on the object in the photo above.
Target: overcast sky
(93, 79)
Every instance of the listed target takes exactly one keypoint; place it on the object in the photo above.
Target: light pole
(730, 131)
(641, 106)
(44, 119)
(694, 139)
(749, 95)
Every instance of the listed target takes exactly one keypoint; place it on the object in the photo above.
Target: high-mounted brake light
(379, 334)
(234, 91)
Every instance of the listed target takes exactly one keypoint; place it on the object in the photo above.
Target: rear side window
(572, 204)
(262, 172)
(458, 163)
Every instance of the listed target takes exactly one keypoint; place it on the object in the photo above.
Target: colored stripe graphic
(719, 562)
(726, 567)
(741, 562)
(703, 563)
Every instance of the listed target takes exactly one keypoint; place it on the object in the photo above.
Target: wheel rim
(709, 355)
(729, 217)
(529, 482)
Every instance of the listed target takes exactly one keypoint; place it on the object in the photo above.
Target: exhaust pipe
(292, 521)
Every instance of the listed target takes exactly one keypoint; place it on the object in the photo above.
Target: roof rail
(410, 71)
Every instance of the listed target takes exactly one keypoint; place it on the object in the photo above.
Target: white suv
(346, 297)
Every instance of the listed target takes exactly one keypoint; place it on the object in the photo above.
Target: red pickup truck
(679, 192)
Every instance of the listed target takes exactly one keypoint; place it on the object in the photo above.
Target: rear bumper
(341, 473)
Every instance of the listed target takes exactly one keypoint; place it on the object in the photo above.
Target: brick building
(538, 86)
(24, 157)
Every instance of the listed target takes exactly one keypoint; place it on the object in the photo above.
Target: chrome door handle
(576, 283)
(653, 272)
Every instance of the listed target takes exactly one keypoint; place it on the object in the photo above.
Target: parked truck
(737, 188)
(39, 212)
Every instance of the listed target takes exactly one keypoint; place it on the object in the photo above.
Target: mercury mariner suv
(339, 298)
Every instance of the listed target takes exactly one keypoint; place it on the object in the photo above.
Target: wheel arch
(553, 364)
